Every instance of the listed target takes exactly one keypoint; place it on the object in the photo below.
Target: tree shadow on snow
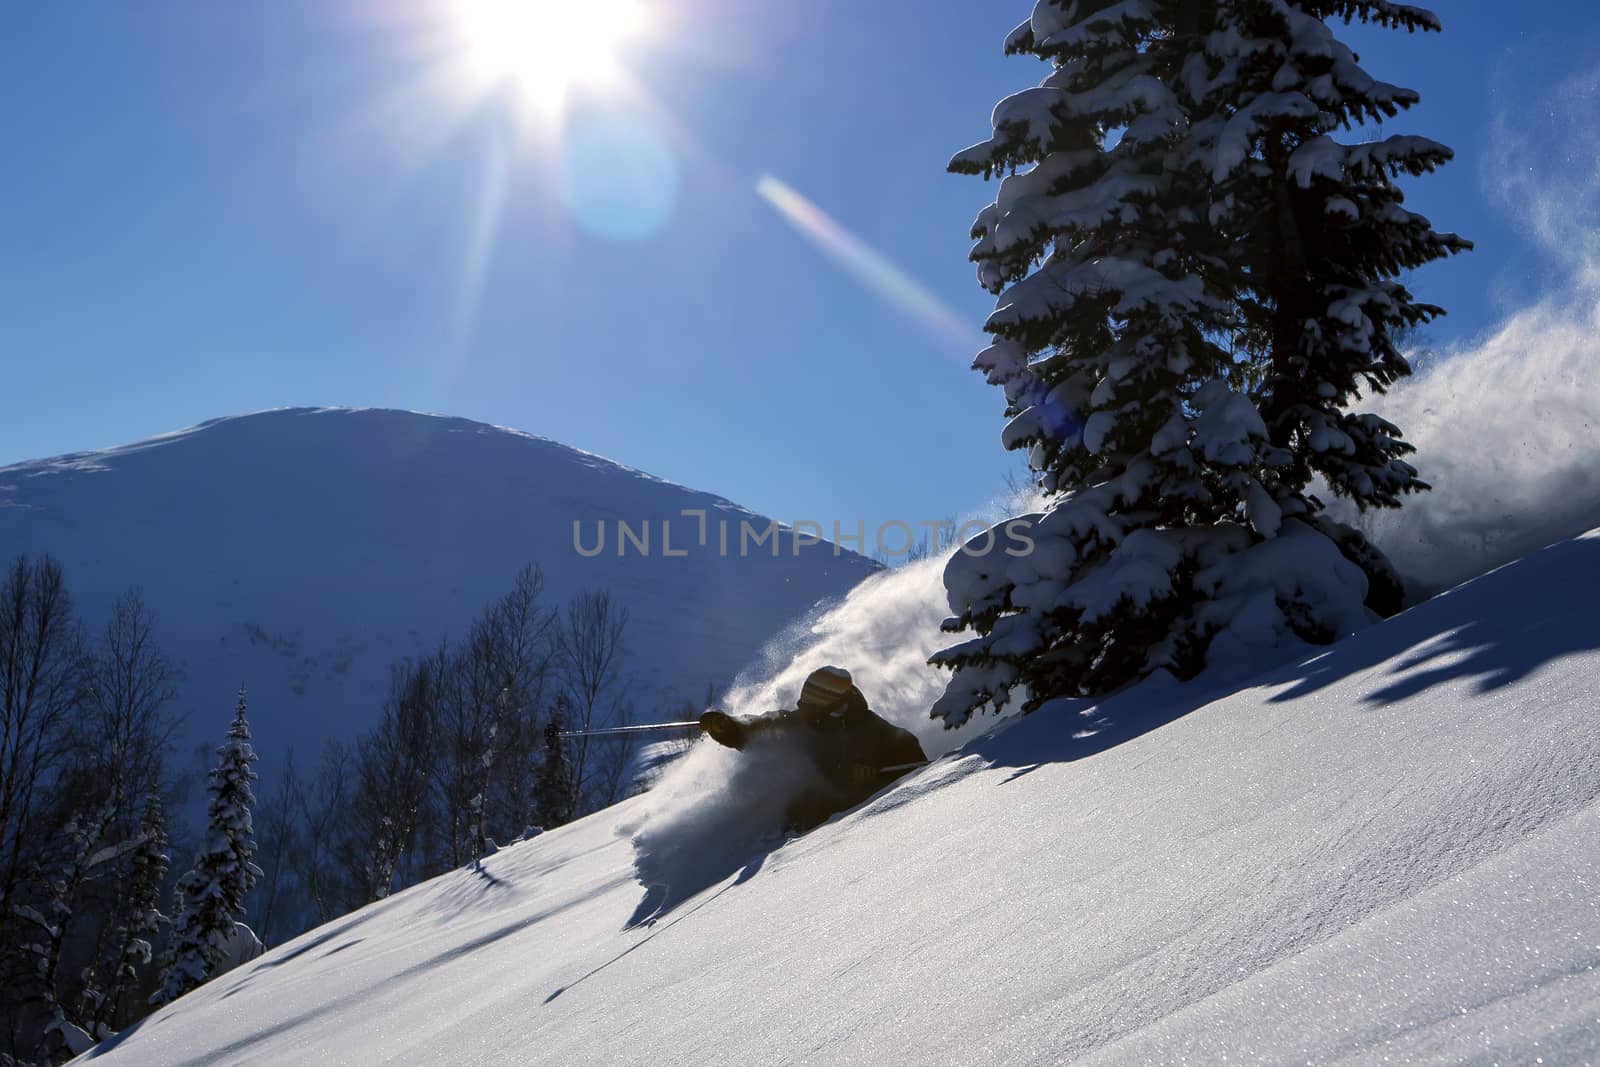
(1517, 619)
(1066, 730)
(1498, 629)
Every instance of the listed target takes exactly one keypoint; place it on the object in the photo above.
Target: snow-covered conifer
(553, 787)
(211, 894)
(62, 1036)
(140, 910)
(1312, 235)
(1146, 356)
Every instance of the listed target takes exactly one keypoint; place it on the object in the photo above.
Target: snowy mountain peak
(307, 430)
(304, 550)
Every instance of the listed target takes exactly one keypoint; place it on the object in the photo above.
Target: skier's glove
(860, 772)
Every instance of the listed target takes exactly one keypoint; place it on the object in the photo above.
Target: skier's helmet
(826, 688)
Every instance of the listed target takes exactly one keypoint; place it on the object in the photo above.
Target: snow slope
(1390, 850)
(303, 551)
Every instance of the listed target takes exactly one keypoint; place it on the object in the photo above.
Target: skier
(856, 752)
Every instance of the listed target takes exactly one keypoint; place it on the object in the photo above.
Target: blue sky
(213, 208)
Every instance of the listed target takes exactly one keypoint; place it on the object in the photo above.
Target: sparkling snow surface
(1389, 850)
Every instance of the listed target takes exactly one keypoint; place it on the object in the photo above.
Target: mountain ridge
(73, 460)
(304, 550)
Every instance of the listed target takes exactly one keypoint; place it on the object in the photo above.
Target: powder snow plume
(717, 812)
(883, 633)
(1505, 426)
(1505, 434)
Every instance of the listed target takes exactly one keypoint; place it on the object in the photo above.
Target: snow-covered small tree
(140, 913)
(81, 850)
(1144, 351)
(211, 895)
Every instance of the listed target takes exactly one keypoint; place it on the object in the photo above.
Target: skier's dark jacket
(857, 752)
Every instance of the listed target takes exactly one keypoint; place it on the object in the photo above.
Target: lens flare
(619, 178)
(891, 284)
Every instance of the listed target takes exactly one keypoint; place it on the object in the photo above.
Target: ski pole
(898, 767)
(623, 731)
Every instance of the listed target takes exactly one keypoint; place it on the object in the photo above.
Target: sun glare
(548, 46)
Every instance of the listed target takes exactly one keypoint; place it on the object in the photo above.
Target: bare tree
(464, 739)
(278, 826)
(590, 649)
(83, 731)
(478, 803)
(489, 737)
(41, 688)
(526, 632)
(131, 684)
(610, 780)
(122, 752)
(321, 807)
(391, 778)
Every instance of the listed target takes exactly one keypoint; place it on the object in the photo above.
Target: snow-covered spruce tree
(1129, 342)
(1312, 233)
(140, 910)
(210, 896)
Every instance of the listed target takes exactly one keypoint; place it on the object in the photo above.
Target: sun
(548, 46)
